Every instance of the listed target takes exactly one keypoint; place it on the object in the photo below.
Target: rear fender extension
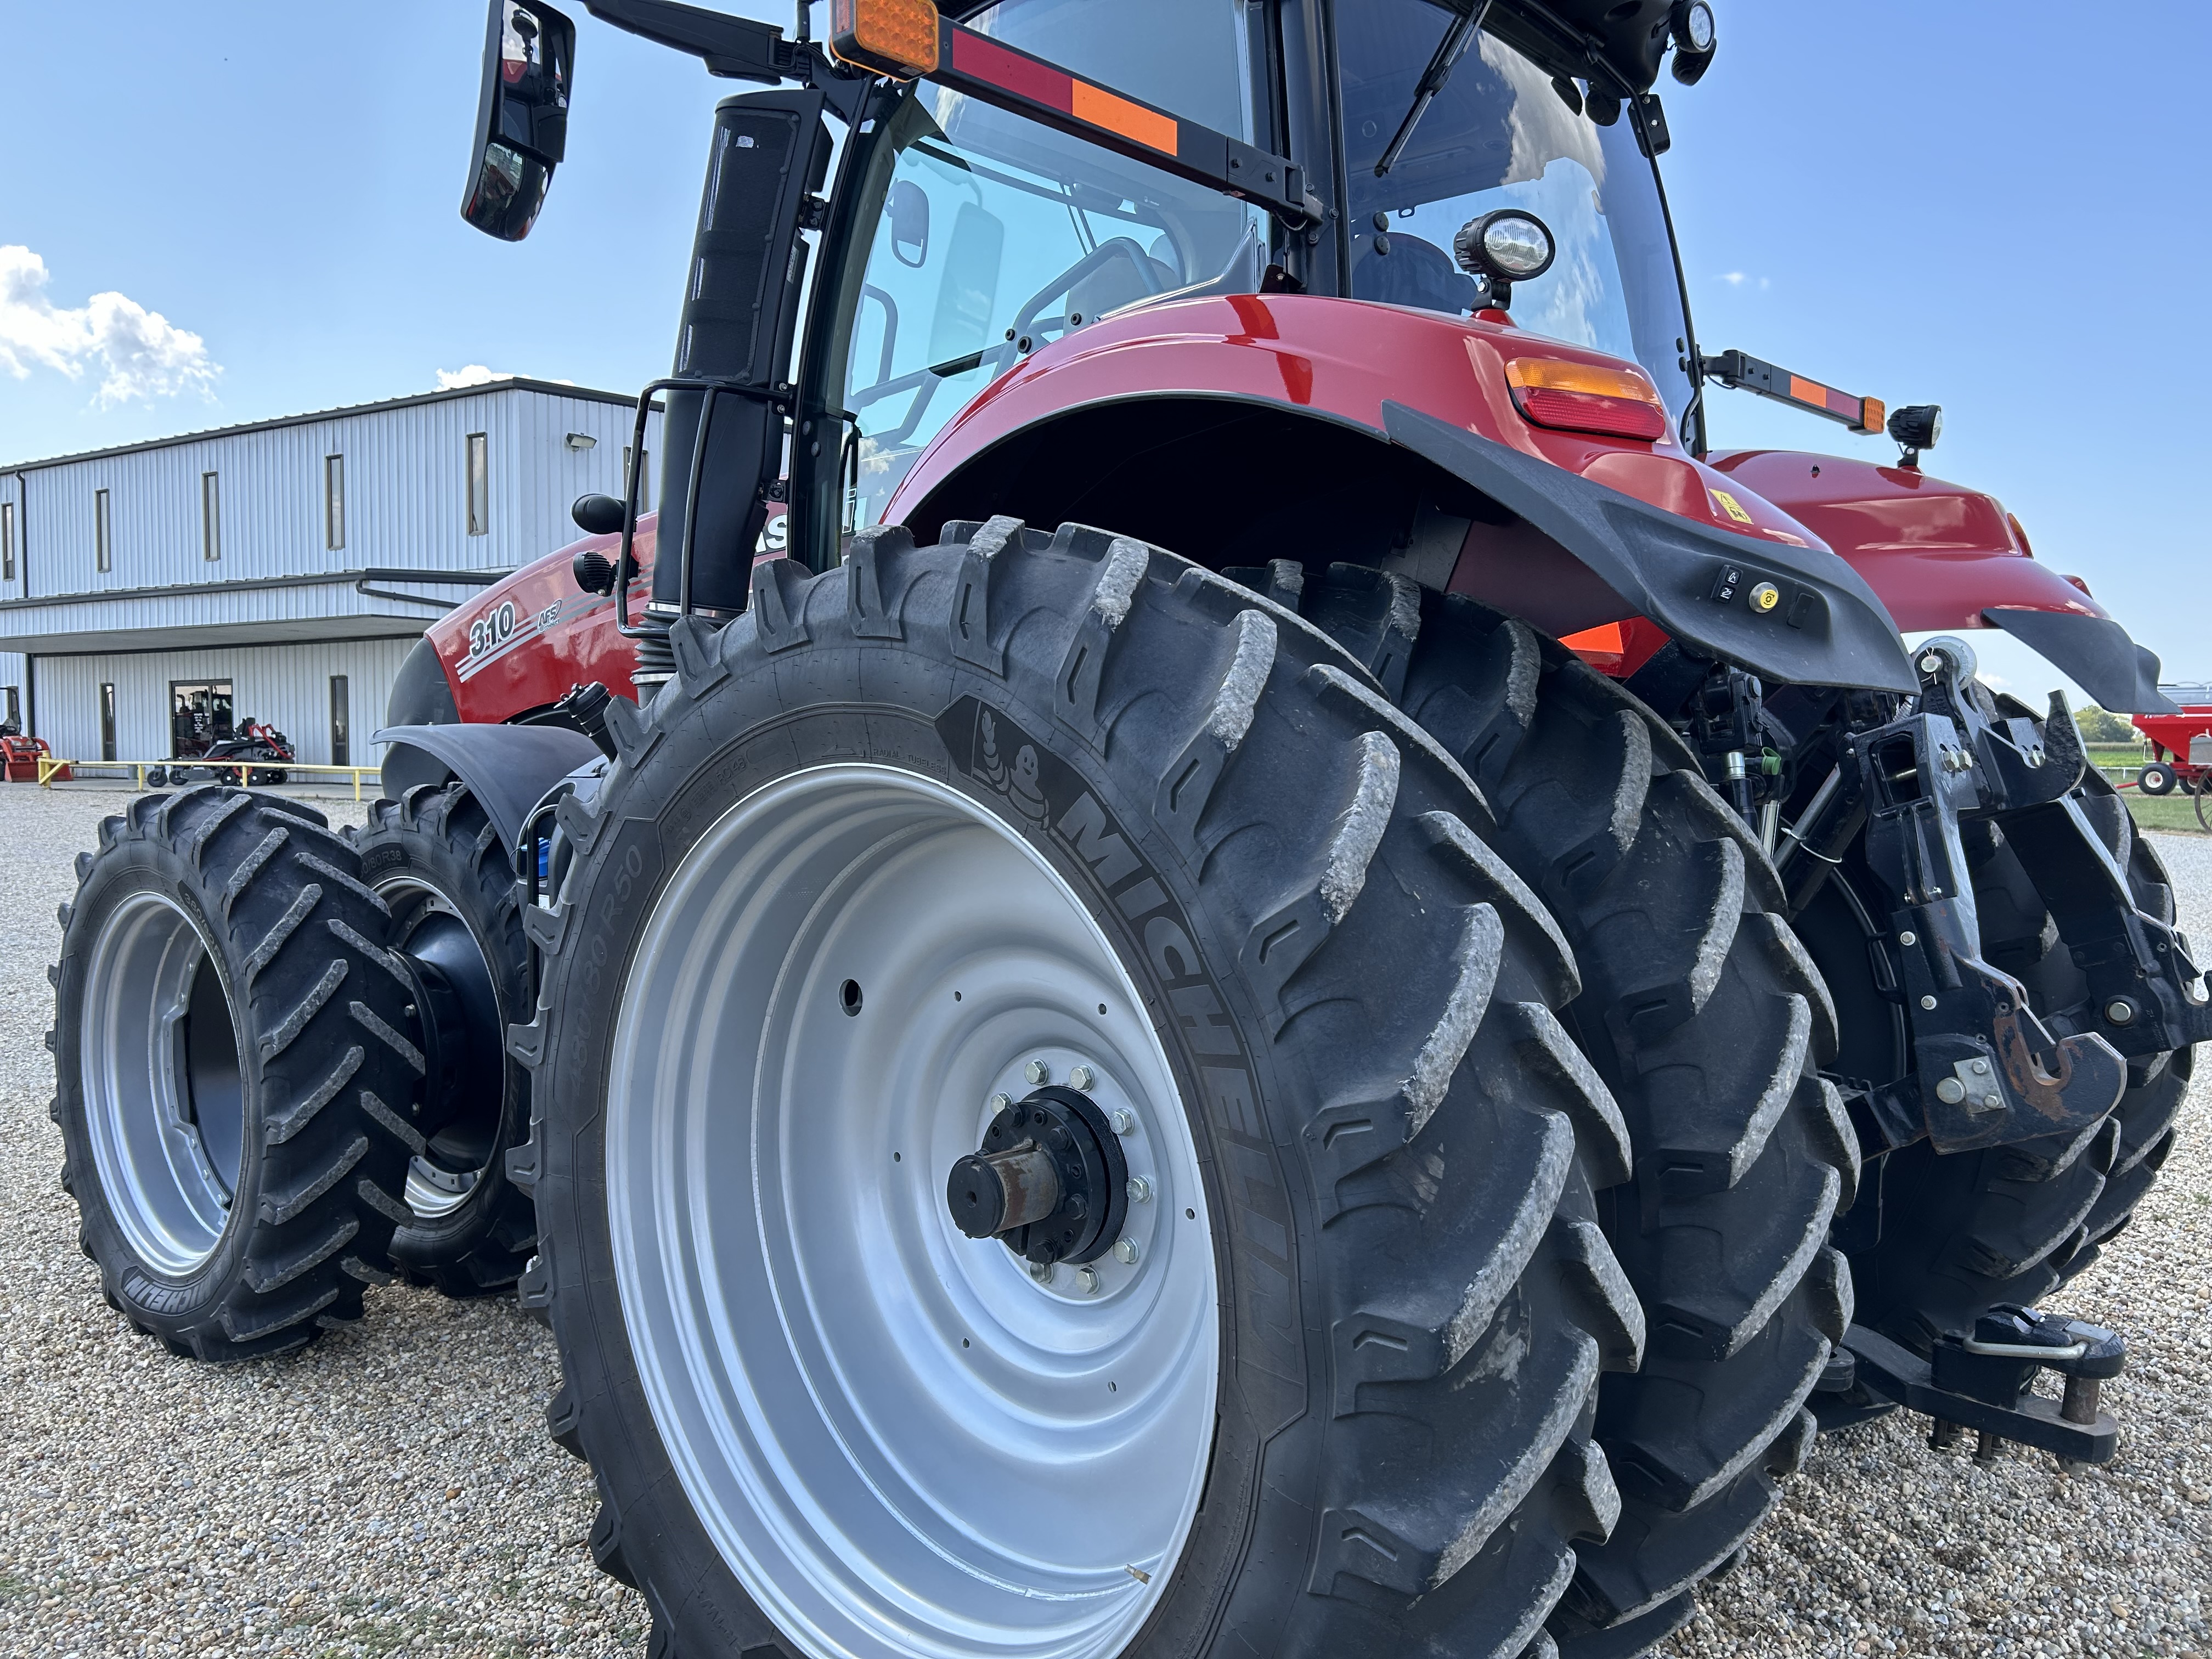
(2093, 651)
(508, 768)
(1828, 628)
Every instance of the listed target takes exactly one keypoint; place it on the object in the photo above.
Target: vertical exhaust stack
(722, 450)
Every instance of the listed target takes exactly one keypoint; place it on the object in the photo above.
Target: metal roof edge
(343, 411)
(430, 576)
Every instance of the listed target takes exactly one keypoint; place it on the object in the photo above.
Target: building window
(334, 502)
(341, 723)
(106, 716)
(479, 485)
(7, 541)
(210, 518)
(103, 552)
(644, 476)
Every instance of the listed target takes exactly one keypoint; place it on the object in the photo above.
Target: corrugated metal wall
(287, 686)
(406, 490)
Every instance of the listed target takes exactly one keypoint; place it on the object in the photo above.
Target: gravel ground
(391, 1491)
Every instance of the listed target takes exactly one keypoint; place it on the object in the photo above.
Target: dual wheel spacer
(1050, 1181)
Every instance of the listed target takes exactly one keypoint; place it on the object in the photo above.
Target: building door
(199, 715)
(11, 709)
(106, 721)
(341, 724)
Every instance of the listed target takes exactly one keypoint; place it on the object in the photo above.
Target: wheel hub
(1050, 1182)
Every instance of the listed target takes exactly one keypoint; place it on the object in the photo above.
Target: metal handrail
(50, 764)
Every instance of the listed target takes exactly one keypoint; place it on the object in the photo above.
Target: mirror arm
(736, 48)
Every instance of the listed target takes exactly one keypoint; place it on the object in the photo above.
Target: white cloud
(140, 352)
(475, 375)
(451, 380)
(1737, 279)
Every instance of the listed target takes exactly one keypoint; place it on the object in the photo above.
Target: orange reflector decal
(1103, 109)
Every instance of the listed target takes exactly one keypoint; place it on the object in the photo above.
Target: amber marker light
(892, 37)
(1613, 403)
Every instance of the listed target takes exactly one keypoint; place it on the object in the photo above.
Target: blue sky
(1894, 196)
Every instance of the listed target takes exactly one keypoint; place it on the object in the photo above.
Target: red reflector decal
(987, 60)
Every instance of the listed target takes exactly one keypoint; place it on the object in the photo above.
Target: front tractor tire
(437, 861)
(234, 1072)
(1064, 831)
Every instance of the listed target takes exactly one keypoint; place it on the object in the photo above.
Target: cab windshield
(1500, 134)
(997, 234)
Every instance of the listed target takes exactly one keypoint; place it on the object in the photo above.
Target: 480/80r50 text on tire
(1326, 1005)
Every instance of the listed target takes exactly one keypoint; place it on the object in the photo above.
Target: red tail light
(1615, 403)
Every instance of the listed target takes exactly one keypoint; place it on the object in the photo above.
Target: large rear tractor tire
(1064, 832)
(236, 1075)
(1707, 1020)
(1951, 1235)
(436, 860)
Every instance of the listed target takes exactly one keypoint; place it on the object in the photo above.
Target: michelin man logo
(1018, 782)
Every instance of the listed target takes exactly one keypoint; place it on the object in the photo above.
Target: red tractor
(1289, 979)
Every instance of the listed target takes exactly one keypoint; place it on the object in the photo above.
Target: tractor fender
(508, 768)
(1943, 557)
(1643, 527)
(1824, 628)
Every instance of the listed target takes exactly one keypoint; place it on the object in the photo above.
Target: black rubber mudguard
(1828, 628)
(508, 768)
(2093, 651)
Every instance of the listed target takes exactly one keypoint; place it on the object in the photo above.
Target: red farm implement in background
(2180, 745)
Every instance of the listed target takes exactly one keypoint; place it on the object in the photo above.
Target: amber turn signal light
(896, 38)
(1570, 397)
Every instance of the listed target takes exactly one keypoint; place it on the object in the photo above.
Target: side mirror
(522, 116)
(909, 209)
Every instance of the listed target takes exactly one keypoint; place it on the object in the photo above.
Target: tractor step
(1982, 1384)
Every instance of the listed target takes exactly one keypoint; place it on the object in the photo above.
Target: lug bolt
(1086, 1280)
(1928, 1003)
(1082, 1078)
(1125, 1252)
(999, 1101)
(2120, 1012)
(1950, 1091)
(1044, 1272)
(1140, 1190)
(1037, 1071)
(1908, 937)
(1124, 1120)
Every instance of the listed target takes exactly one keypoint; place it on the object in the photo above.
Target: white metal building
(269, 570)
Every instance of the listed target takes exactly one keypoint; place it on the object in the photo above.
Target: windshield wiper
(1449, 52)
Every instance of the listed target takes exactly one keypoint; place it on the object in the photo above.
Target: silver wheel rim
(433, 1192)
(900, 1440)
(164, 1103)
